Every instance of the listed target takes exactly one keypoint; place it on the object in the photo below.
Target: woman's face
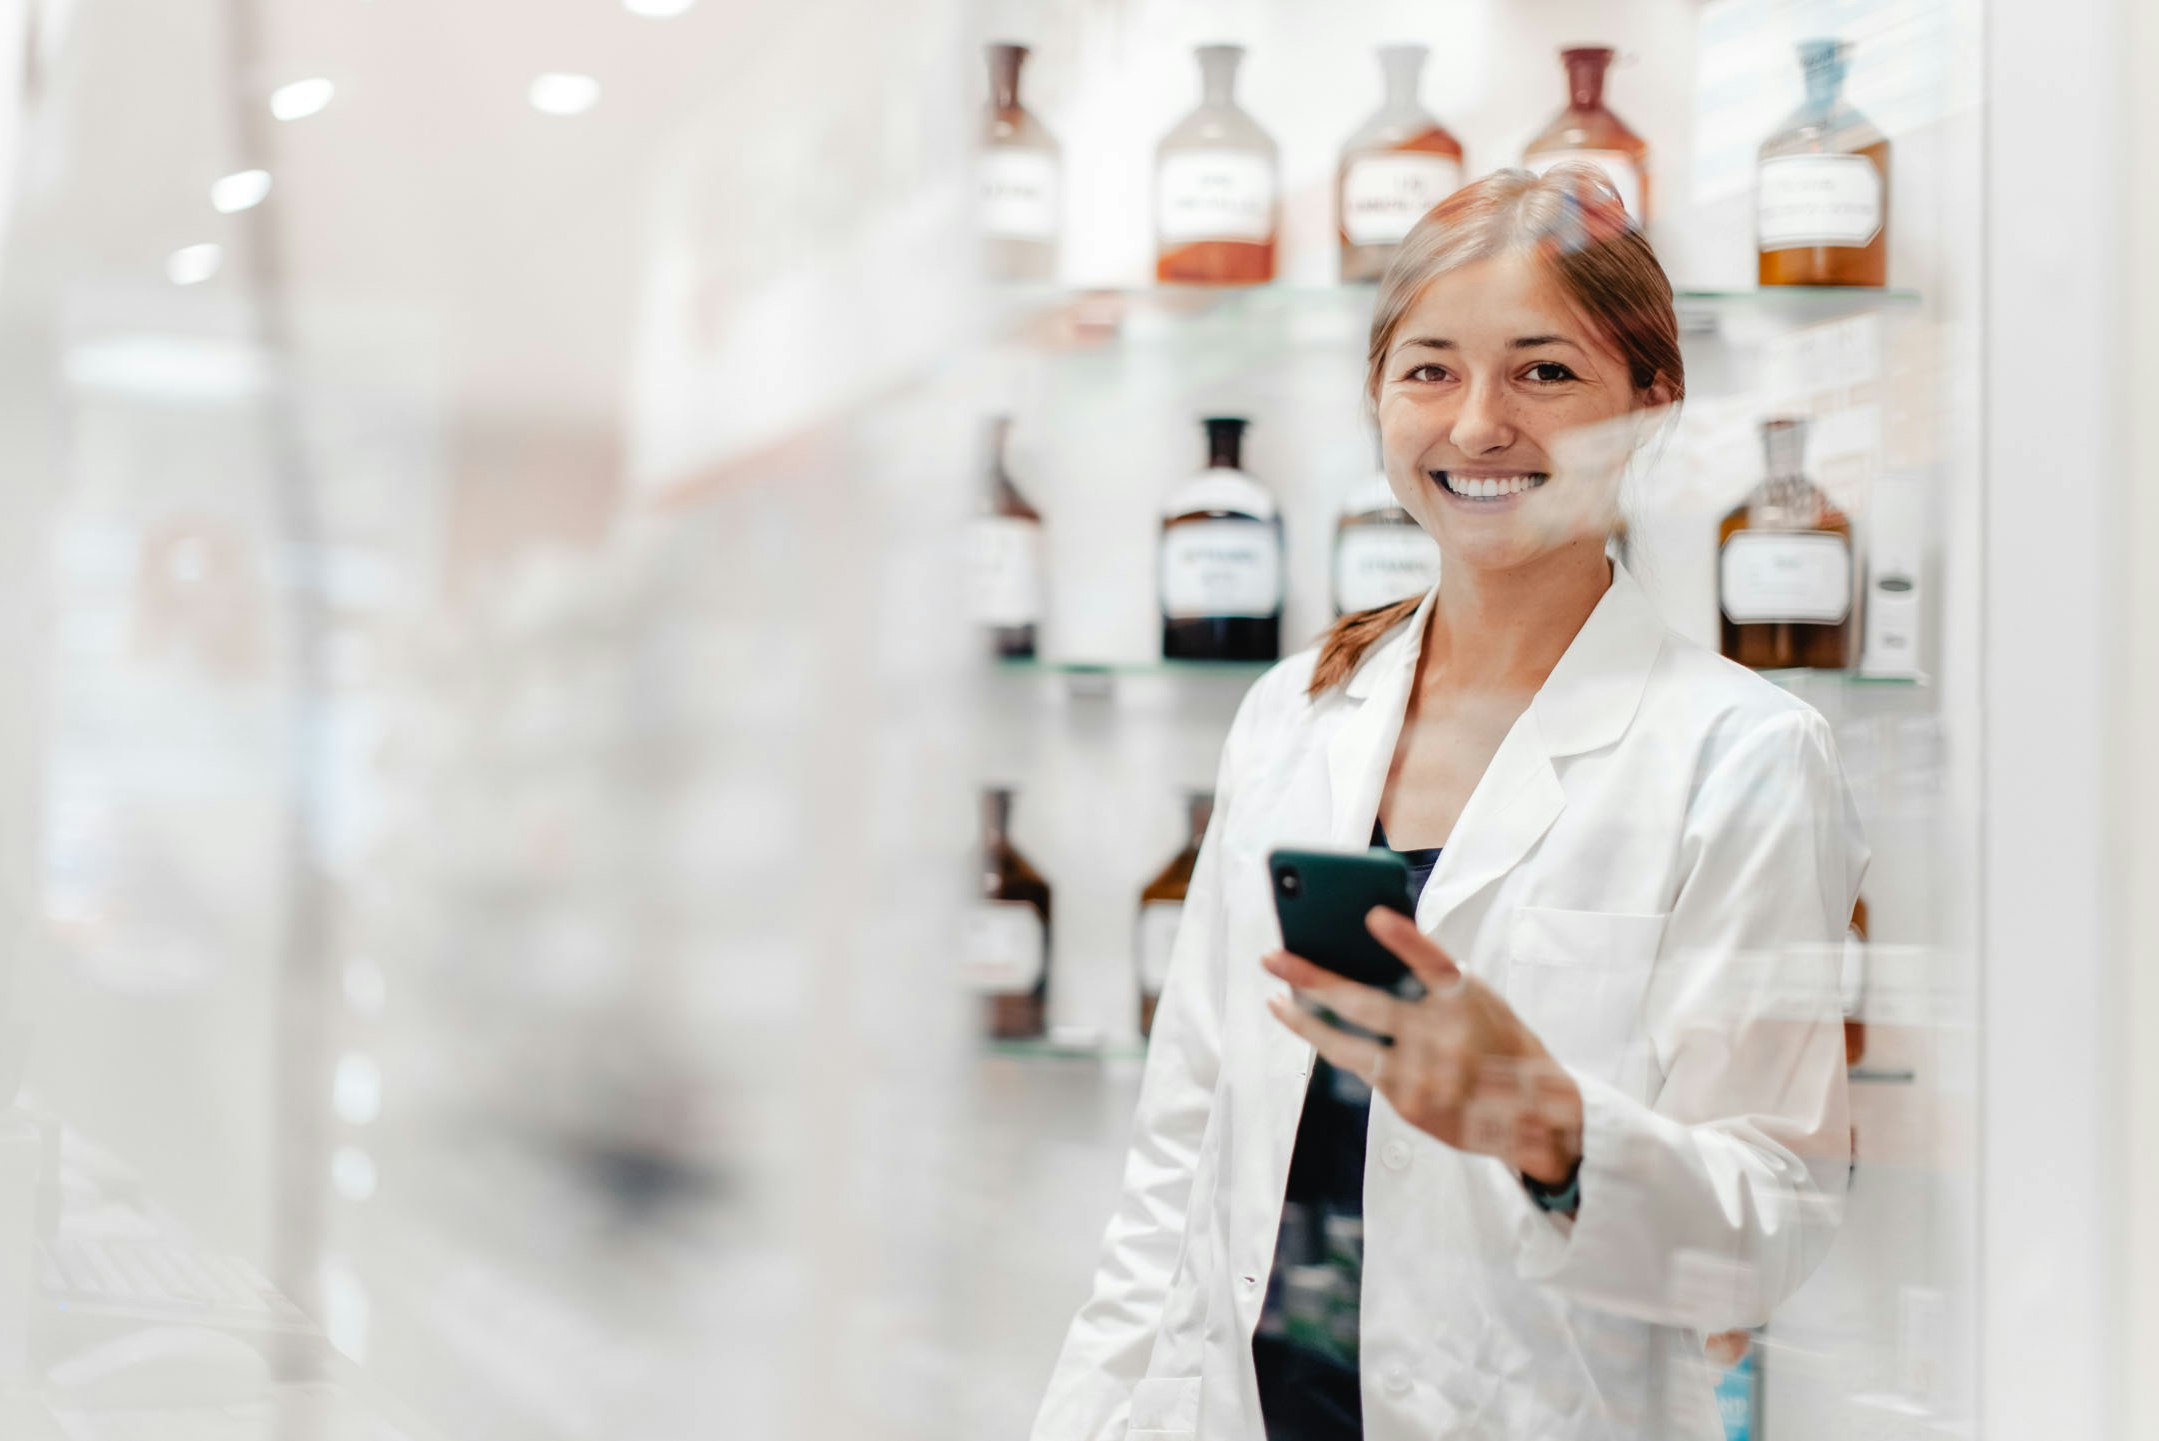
(1505, 419)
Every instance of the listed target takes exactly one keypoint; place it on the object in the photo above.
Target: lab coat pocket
(1577, 979)
(1164, 1408)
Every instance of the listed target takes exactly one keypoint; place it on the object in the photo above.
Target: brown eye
(1426, 373)
(1549, 372)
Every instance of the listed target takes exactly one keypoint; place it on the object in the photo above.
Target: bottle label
(1378, 565)
(1019, 193)
(1004, 570)
(1221, 569)
(1384, 195)
(1214, 195)
(1808, 200)
(1157, 936)
(1617, 165)
(1006, 949)
(1768, 576)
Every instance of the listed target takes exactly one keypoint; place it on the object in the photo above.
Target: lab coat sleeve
(1707, 1206)
(1107, 1349)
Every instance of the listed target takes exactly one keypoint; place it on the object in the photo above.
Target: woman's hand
(1463, 1067)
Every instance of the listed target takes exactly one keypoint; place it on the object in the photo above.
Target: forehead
(1493, 300)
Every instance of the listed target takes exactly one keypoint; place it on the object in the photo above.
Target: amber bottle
(1216, 184)
(1784, 566)
(1399, 164)
(1221, 559)
(1161, 907)
(1020, 175)
(1005, 546)
(1587, 133)
(1822, 186)
(1007, 950)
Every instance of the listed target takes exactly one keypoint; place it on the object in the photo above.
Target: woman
(1616, 1121)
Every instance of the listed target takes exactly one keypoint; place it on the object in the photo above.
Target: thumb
(1426, 961)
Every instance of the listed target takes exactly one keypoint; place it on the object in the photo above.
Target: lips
(1487, 487)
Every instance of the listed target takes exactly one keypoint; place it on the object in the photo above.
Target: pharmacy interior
(625, 617)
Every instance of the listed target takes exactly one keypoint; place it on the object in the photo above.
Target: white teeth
(1488, 487)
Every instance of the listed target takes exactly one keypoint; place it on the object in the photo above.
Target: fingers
(1426, 961)
(1360, 1005)
(1354, 1054)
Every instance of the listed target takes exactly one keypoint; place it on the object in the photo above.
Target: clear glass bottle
(1221, 559)
(1161, 907)
(1587, 133)
(1007, 945)
(1822, 185)
(1005, 545)
(1381, 554)
(1021, 178)
(1398, 165)
(1784, 566)
(1216, 187)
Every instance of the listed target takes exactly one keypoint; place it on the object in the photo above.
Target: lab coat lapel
(1513, 805)
(1361, 750)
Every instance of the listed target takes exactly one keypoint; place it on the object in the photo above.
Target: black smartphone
(1322, 898)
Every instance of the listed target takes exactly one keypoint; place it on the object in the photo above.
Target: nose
(1481, 426)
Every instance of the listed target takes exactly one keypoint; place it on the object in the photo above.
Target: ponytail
(1351, 637)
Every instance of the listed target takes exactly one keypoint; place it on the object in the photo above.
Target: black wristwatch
(1563, 1199)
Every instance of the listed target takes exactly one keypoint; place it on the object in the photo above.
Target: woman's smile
(1486, 488)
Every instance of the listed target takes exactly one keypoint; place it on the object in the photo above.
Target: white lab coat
(1656, 870)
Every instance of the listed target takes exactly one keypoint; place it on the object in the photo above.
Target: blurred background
(600, 746)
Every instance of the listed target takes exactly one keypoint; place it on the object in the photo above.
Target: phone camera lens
(1290, 884)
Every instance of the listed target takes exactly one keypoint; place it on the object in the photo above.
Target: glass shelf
(1877, 1076)
(1046, 1050)
(1106, 671)
(1324, 314)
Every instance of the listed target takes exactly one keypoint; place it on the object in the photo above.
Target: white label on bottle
(1214, 195)
(1157, 937)
(1218, 569)
(1384, 195)
(1767, 576)
(1006, 949)
(1378, 565)
(1617, 165)
(1805, 200)
(1004, 570)
(1019, 193)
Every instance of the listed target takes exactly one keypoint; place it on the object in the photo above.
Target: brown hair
(1571, 219)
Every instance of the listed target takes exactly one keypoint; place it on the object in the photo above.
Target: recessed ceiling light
(301, 98)
(242, 190)
(556, 93)
(194, 264)
(657, 9)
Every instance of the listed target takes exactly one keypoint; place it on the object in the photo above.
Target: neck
(1503, 630)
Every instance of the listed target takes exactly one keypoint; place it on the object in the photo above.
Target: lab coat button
(1395, 1379)
(1395, 1154)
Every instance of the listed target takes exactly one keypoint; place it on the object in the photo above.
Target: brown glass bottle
(1822, 185)
(1854, 988)
(1216, 178)
(1007, 949)
(1221, 560)
(1020, 173)
(1005, 558)
(1161, 907)
(1587, 133)
(1399, 164)
(1784, 566)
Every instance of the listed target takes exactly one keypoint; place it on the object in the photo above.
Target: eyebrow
(1527, 342)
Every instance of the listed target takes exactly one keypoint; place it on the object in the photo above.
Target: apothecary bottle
(1588, 133)
(1005, 545)
(1784, 566)
(1399, 164)
(1852, 985)
(1161, 908)
(1021, 178)
(1216, 187)
(1822, 185)
(1221, 559)
(1381, 554)
(1007, 944)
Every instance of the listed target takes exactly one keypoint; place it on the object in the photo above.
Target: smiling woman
(1524, 318)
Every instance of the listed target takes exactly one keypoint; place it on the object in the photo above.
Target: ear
(1659, 394)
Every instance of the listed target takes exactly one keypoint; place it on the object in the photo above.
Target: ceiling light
(301, 98)
(243, 190)
(657, 9)
(194, 264)
(556, 93)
